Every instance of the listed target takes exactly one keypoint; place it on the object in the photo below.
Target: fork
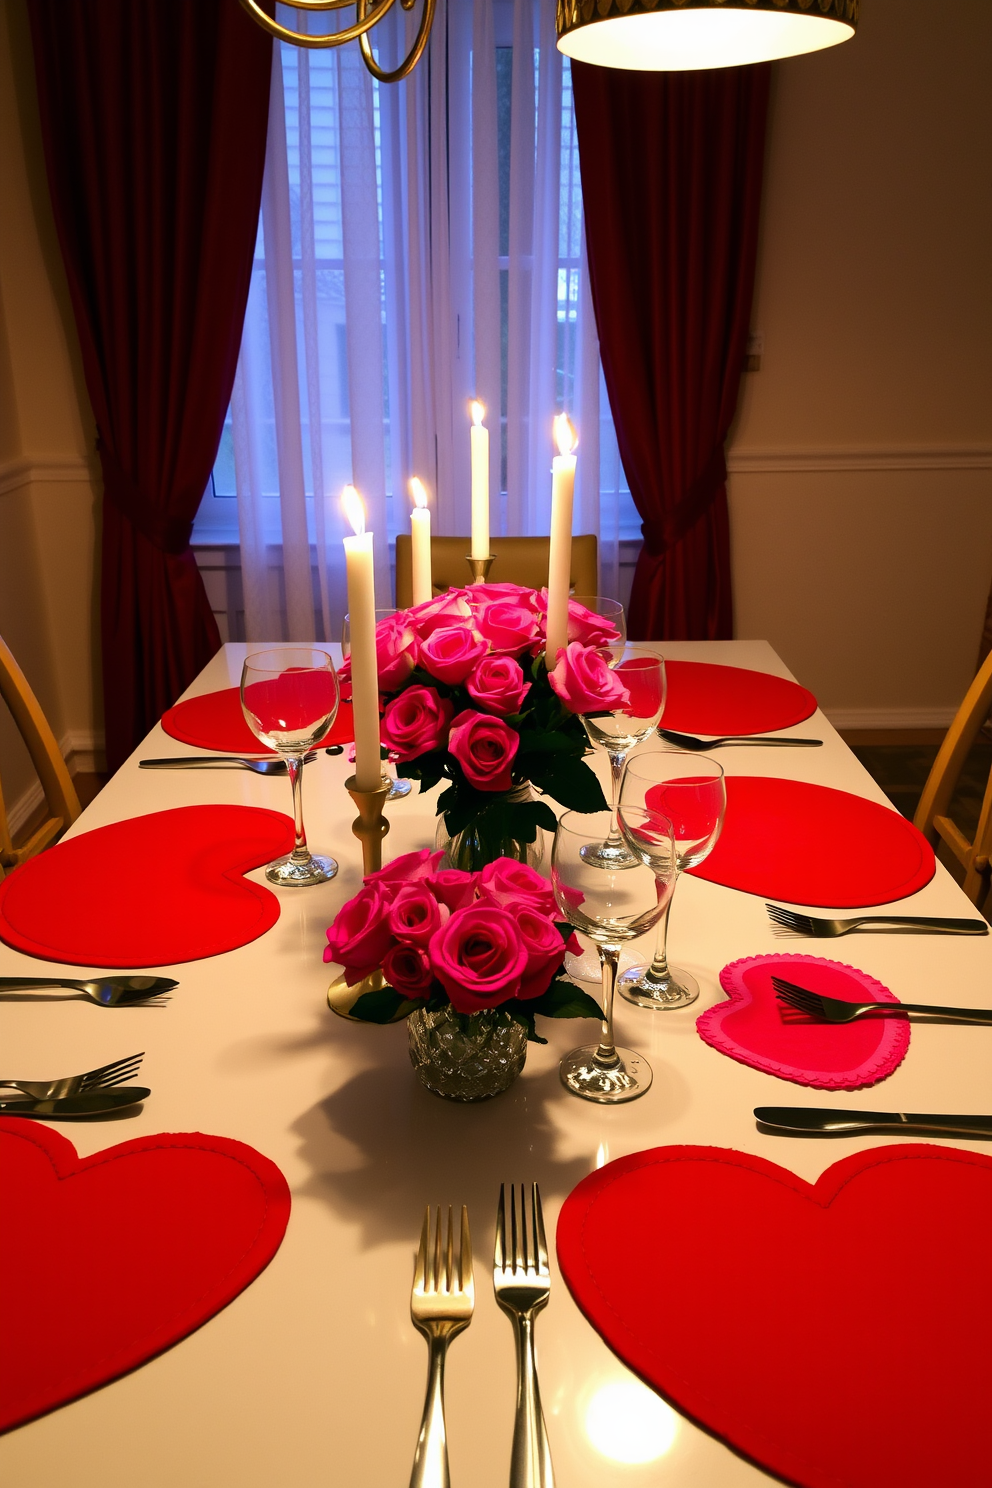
(108, 991)
(441, 1306)
(804, 924)
(522, 1282)
(220, 762)
(94, 1079)
(836, 1010)
(691, 742)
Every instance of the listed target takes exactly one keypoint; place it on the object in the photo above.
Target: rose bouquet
(468, 697)
(477, 942)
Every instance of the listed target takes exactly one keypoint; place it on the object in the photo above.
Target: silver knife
(853, 1123)
(94, 1104)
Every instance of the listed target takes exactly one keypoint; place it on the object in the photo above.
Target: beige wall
(47, 493)
(861, 488)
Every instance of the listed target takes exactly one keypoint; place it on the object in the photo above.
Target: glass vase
(471, 849)
(466, 1058)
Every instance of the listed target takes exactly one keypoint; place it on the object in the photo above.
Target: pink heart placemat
(704, 698)
(215, 720)
(756, 1029)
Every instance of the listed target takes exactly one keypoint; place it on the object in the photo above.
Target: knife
(853, 1123)
(95, 1104)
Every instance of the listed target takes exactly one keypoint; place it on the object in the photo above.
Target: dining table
(314, 1375)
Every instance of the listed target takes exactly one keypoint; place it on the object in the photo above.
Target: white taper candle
(480, 482)
(420, 543)
(560, 556)
(364, 672)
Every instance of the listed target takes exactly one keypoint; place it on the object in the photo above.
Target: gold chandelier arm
(415, 53)
(330, 39)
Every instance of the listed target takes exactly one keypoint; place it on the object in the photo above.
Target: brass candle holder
(369, 826)
(480, 568)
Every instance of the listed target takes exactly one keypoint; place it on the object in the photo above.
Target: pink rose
(588, 628)
(408, 868)
(509, 884)
(450, 608)
(416, 722)
(396, 649)
(451, 652)
(416, 915)
(453, 887)
(407, 970)
(583, 680)
(498, 685)
(487, 593)
(479, 958)
(545, 951)
(360, 936)
(485, 748)
(508, 625)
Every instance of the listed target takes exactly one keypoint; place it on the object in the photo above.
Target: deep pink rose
(508, 883)
(360, 936)
(408, 868)
(508, 625)
(488, 593)
(545, 950)
(415, 722)
(585, 683)
(396, 650)
(451, 652)
(588, 628)
(416, 915)
(479, 958)
(450, 608)
(485, 748)
(498, 685)
(407, 969)
(453, 886)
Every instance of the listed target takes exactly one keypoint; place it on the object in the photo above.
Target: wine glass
(290, 698)
(611, 907)
(688, 792)
(397, 788)
(610, 611)
(619, 730)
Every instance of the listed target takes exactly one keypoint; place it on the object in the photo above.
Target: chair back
(60, 794)
(931, 814)
(517, 560)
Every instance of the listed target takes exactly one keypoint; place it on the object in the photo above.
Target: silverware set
(790, 922)
(92, 1093)
(441, 1305)
(837, 1010)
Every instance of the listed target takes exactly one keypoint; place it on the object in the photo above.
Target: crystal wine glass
(397, 788)
(688, 792)
(611, 907)
(290, 698)
(618, 731)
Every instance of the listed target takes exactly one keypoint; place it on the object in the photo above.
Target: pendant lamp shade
(687, 35)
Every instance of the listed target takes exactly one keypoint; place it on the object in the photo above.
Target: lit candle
(364, 674)
(420, 543)
(560, 556)
(480, 482)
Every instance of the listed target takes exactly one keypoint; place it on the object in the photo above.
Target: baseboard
(890, 718)
(84, 752)
(21, 811)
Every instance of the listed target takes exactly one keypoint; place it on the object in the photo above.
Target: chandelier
(368, 14)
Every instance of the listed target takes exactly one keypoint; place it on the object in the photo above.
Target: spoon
(109, 991)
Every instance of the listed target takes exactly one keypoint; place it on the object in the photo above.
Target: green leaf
(520, 1013)
(572, 784)
(534, 741)
(383, 1006)
(565, 1000)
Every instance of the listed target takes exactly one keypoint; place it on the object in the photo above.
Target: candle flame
(478, 411)
(354, 510)
(565, 435)
(419, 492)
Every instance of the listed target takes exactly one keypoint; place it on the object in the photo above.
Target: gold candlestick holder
(480, 568)
(369, 826)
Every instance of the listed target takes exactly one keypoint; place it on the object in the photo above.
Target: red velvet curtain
(671, 181)
(154, 120)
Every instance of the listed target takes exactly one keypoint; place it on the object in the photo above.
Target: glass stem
(658, 970)
(617, 762)
(606, 1055)
(294, 766)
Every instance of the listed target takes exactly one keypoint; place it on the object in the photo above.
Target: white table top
(315, 1375)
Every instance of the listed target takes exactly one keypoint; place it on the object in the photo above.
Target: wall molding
(787, 461)
(891, 718)
(42, 469)
(83, 751)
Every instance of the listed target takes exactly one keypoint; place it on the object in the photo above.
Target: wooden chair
(518, 560)
(60, 793)
(931, 814)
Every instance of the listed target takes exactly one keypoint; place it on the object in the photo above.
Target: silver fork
(804, 924)
(95, 1079)
(699, 746)
(522, 1282)
(837, 1010)
(220, 762)
(441, 1306)
(107, 991)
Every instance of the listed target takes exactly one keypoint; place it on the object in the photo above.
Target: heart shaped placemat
(836, 1333)
(816, 846)
(756, 1029)
(149, 891)
(705, 698)
(215, 720)
(108, 1260)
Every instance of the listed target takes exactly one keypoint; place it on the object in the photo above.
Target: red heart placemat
(836, 1333)
(215, 720)
(149, 891)
(704, 698)
(811, 844)
(756, 1029)
(110, 1259)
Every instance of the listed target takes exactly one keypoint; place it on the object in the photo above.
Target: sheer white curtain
(420, 244)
